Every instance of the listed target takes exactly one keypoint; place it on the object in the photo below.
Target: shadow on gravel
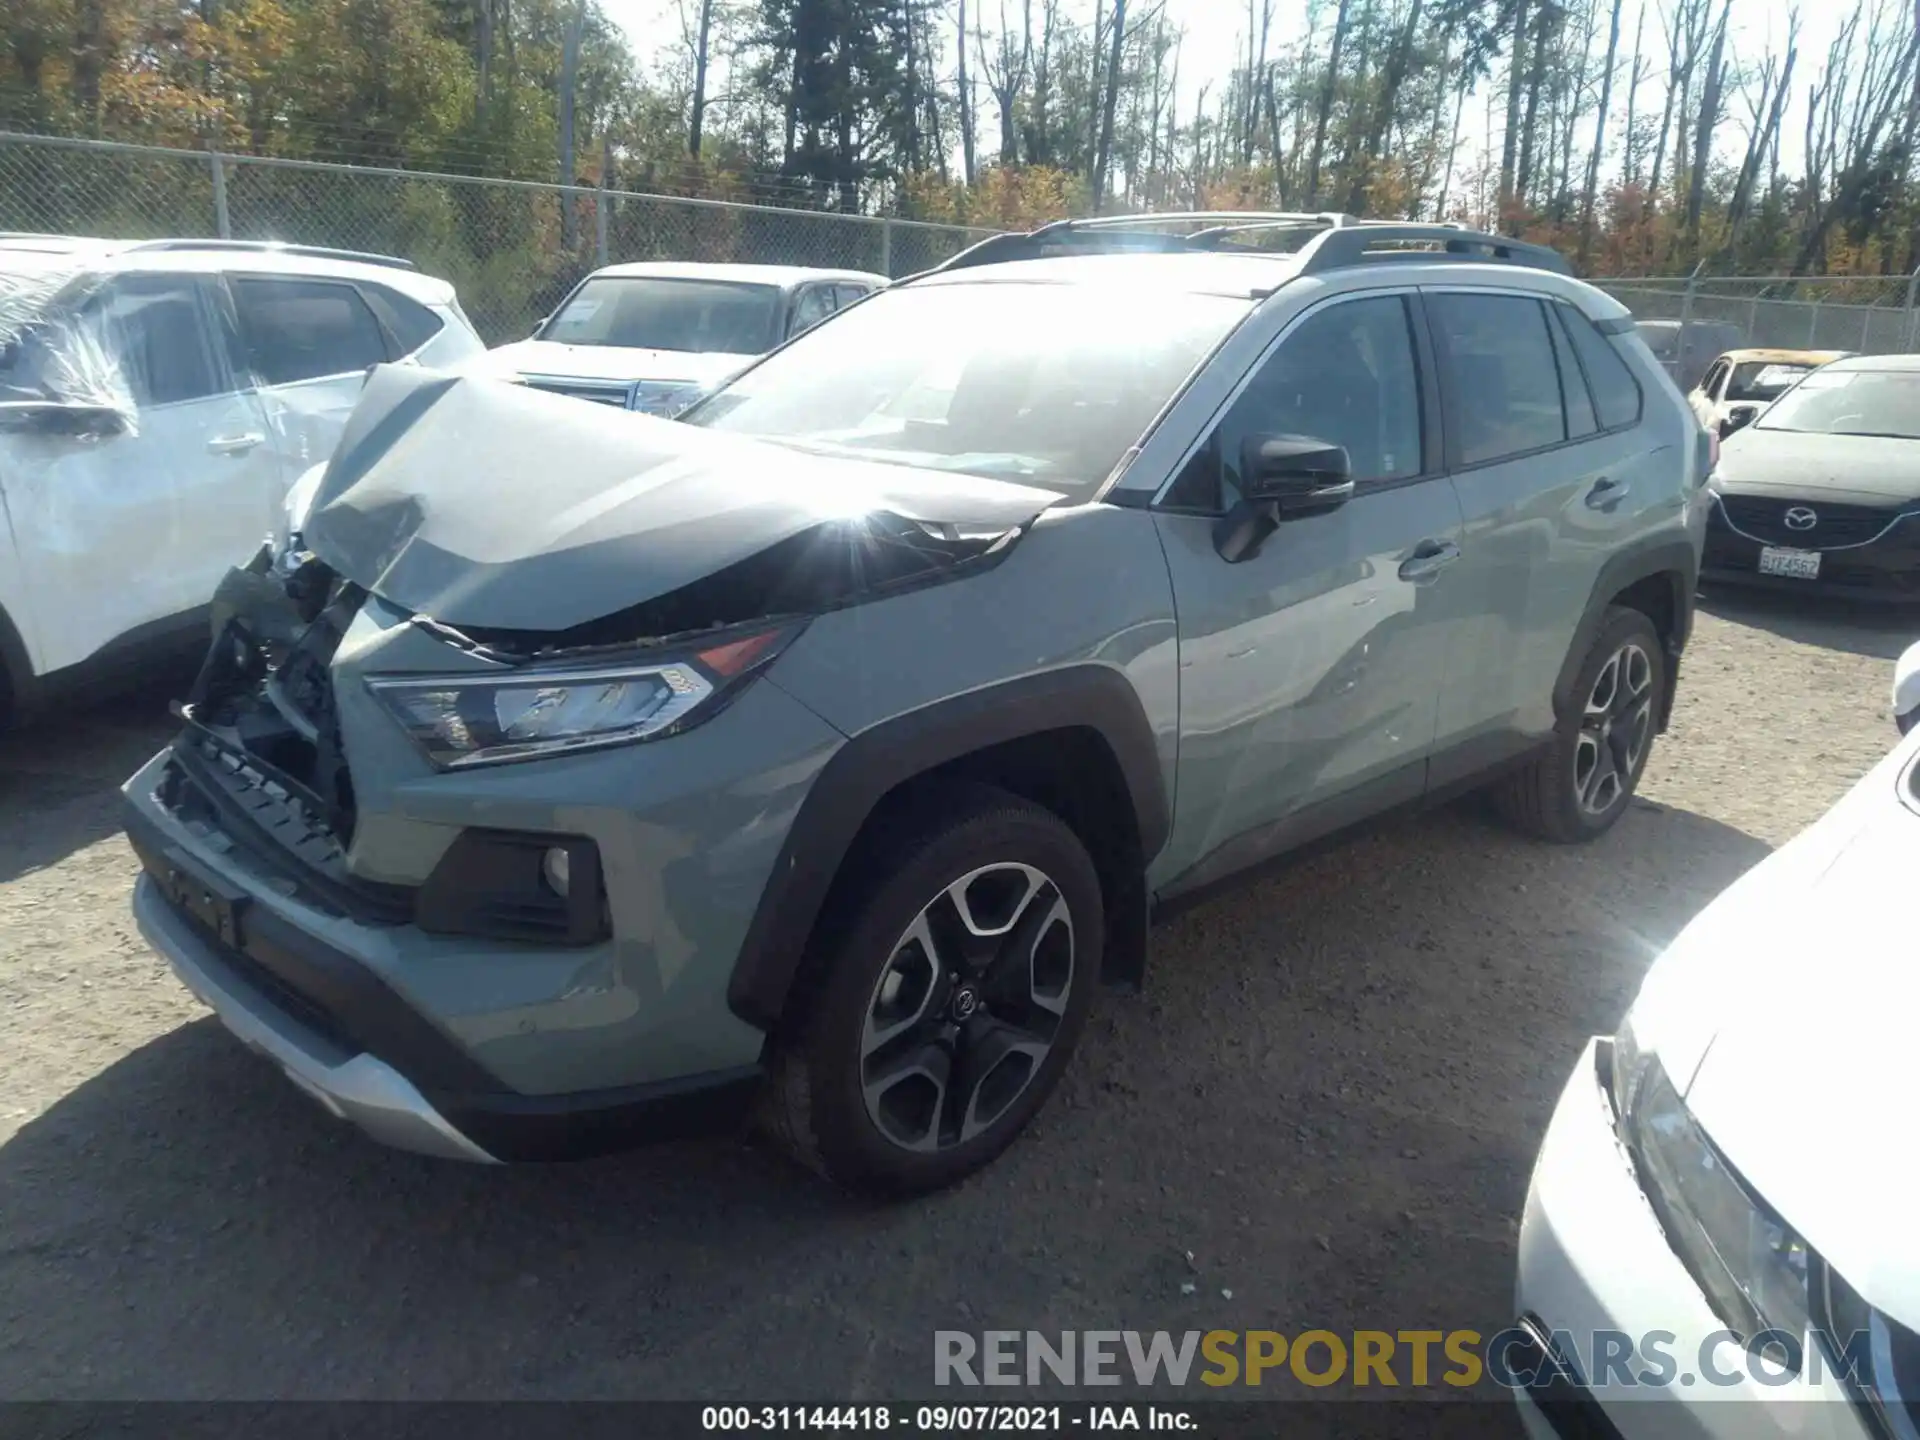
(60, 776)
(1322, 1114)
(1875, 631)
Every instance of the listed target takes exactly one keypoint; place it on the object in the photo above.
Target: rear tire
(947, 1000)
(1580, 787)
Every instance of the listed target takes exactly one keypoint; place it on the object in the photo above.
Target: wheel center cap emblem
(965, 1002)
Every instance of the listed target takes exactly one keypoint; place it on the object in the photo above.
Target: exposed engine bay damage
(541, 524)
(60, 371)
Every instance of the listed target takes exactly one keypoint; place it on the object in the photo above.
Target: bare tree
(1704, 126)
(1256, 74)
(1763, 139)
(697, 111)
(1324, 106)
(1592, 186)
(966, 102)
(1629, 157)
(1516, 85)
(1007, 77)
(569, 79)
(1103, 152)
(1867, 120)
(1385, 109)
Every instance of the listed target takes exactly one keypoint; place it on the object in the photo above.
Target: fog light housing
(556, 868)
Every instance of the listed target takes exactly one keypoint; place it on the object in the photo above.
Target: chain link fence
(512, 248)
(1870, 314)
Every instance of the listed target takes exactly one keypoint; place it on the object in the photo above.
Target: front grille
(1835, 525)
(601, 392)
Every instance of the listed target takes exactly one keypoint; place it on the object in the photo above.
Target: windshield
(1757, 380)
(1850, 402)
(1015, 381)
(717, 317)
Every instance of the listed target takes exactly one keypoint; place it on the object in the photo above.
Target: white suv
(157, 399)
(656, 336)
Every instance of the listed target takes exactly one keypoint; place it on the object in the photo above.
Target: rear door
(1551, 474)
(310, 343)
(1310, 670)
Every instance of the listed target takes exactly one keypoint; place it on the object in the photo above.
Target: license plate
(1796, 564)
(211, 901)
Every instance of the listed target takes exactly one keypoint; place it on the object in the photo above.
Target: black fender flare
(878, 760)
(19, 687)
(1671, 556)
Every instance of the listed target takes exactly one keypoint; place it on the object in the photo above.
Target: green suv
(564, 778)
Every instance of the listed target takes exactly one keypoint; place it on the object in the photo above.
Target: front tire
(1580, 787)
(948, 1000)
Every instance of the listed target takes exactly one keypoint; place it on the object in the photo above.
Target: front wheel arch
(1075, 740)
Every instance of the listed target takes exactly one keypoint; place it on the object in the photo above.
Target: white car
(1742, 383)
(1723, 1209)
(655, 337)
(157, 399)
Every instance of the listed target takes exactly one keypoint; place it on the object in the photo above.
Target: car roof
(784, 276)
(41, 253)
(1763, 356)
(1906, 364)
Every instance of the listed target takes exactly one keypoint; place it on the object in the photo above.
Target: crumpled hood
(493, 506)
(1854, 469)
(615, 362)
(1800, 1005)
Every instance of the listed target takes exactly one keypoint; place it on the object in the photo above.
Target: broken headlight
(524, 714)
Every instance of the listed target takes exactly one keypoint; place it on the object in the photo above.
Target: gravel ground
(1331, 1096)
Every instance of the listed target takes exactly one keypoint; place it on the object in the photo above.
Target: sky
(1216, 40)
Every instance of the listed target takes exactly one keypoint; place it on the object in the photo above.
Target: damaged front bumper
(290, 991)
(354, 1087)
(377, 928)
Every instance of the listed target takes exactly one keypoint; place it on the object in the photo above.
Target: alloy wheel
(1614, 729)
(967, 1008)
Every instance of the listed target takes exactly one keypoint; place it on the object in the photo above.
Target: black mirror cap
(1738, 418)
(1295, 473)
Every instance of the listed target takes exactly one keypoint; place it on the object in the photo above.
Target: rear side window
(813, 306)
(845, 295)
(1616, 394)
(1505, 385)
(1573, 387)
(410, 323)
(304, 329)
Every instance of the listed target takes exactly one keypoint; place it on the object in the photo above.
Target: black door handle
(1607, 493)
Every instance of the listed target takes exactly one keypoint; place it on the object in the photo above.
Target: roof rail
(1144, 232)
(1213, 218)
(276, 247)
(1373, 242)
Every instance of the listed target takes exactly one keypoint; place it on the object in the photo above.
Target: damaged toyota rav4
(564, 778)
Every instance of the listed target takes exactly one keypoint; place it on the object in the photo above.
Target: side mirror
(1738, 418)
(1282, 477)
(1296, 474)
(1906, 689)
(78, 420)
